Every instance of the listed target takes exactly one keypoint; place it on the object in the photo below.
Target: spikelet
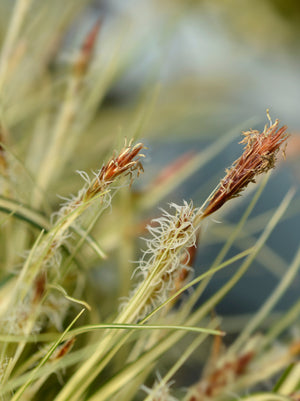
(259, 157)
(125, 163)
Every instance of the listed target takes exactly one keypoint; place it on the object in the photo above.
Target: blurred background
(186, 77)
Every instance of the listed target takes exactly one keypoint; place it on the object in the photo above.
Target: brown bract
(39, 286)
(259, 156)
(86, 51)
(127, 162)
(63, 349)
(212, 385)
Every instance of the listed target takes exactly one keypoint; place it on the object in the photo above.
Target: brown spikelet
(39, 287)
(212, 385)
(63, 349)
(126, 162)
(259, 156)
(86, 50)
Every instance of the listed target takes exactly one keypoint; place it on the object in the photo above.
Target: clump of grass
(58, 338)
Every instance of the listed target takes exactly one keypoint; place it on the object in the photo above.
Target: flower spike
(259, 157)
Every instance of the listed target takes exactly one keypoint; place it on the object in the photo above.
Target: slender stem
(19, 13)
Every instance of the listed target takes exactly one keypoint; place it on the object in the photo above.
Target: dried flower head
(259, 156)
(128, 161)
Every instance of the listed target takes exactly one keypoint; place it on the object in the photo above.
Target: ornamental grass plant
(101, 295)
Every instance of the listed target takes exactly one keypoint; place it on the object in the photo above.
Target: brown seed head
(86, 51)
(259, 156)
(127, 162)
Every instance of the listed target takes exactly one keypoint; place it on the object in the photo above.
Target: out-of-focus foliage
(82, 87)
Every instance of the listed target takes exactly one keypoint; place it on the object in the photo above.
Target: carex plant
(57, 341)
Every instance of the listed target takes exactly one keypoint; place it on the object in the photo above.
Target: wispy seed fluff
(159, 392)
(165, 256)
